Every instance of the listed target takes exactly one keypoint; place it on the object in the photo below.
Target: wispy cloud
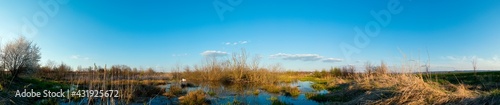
(464, 62)
(331, 60)
(179, 55)
(78, 57)
(235, 43)
(305, 57)
(460, 58)
(301, 57)
(213, 53)
(451, 58)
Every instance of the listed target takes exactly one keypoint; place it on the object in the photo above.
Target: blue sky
(299, 34)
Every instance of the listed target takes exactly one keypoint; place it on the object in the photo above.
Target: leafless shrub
(236, 69)
(20, 56)
(474, 64)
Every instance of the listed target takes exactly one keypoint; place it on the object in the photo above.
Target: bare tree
(474, 64)
(20, 56)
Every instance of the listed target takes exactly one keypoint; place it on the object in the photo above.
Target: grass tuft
(272, 88)
(194, 98)
(292, 91)
(256, 92)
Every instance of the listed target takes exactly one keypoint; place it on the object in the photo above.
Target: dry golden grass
(132, 86)
(272, 88)
(405, 89)
(197, 97)
(379, 87)
(174, 91)
(236, 69)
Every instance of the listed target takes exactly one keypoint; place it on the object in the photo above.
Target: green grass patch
(314, 79)
(317, 86)
(287, 78)
(325, 97)
(487, 80)
(40, 85)
(467, 78)
(495, 93)
(334, 88)
(211, 93)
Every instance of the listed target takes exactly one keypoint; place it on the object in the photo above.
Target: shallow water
(225, 94)
(243, 93)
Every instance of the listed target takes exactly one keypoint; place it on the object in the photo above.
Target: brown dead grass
(406, 89)
(236, 69)
(197, 97)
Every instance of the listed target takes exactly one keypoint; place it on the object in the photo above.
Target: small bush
(194, 98)
(318, 86)
(272, 88)
(292, 91)
(175, 91)
(256, 92)
(211, 93)
(314, 79)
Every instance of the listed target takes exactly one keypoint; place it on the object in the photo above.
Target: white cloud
(78, 57)
(301, 57)
(235, 43)
(451, 58)
(332, 60)
(75, 57)
(213, 53)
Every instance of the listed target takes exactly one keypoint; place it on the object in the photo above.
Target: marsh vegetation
(237, 80)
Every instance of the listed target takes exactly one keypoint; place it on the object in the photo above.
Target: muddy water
(243, 93)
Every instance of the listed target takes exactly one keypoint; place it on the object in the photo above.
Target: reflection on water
(228, 93)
